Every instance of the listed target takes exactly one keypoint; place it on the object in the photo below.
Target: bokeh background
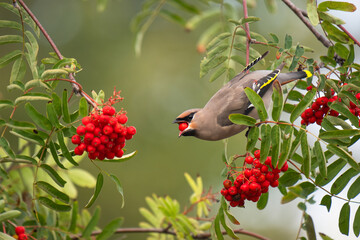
(157, 86)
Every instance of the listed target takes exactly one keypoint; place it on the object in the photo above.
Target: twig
(167, 231)
(307, 23)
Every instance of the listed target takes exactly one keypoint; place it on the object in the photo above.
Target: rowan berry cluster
(20, 232)
(103, 134)
(319, 109)
(253, 181)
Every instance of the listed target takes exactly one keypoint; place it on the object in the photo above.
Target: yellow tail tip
(308, 73)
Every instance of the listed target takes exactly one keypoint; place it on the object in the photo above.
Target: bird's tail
(285, 78)
(254, 62)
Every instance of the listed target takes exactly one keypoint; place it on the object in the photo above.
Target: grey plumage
(212, 121)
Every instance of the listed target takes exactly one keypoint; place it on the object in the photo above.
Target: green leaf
(82, 178)
(10, 24)
(52, 191)
(344, 155)
(83, 107)
(334, 33)
(5, 39)
(217, 40)
(9, 215)
(261, 204)
(241, 119)
(344, 219)
(110, 229)
(332, 170)
(53, 174)
(305, 150)
(37, 117)
(252, 138)
(341, 50)
(286, 145)
(92, 224)
(228, 230)
(217, 229)
(258, 103)
(326, 201)
(18, 70)
(341, 182)
(29, 136)
(311, 9)
(6, 104)
(289, 178)
(4, 236)
(51, 114)
(338, 134)
(5, 145)
(299, 51)
(310, 228)
(119, 188)
(320, 158)
(275, 144)
(99, 184)
(303, 104)
(208, 64)
(336, 5)
(278, 100)
(217, 73)
(288, 41)
(74, 215)
(265, 142)
(356, 225)
(32, 97)
(354, 189)
(54, 154)
(54, 206)
(124, 158)
(10, 57)
(57, 104)
(172, 17)
(228, 214)
(249, 19)
(64, 149)
(65, 109)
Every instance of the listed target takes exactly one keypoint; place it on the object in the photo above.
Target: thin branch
(307, 23)
(167, 231)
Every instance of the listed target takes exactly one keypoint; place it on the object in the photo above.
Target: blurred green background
(157, 86)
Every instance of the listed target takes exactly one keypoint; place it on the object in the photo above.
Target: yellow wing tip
(308, 73)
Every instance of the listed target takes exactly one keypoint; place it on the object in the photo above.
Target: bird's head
(187, 126)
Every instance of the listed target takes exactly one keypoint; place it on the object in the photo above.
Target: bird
(212, 122)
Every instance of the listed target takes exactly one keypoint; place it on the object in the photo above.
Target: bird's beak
(178, 120)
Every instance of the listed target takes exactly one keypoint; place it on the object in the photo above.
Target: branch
(307, 23)
(75, 87)
(247, 31)
(167, 231)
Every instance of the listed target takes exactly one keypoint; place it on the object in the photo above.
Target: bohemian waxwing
(212, 122)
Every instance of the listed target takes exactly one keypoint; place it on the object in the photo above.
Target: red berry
(104, 119)
(352, 105)
(101, 156)
(90, 127)
(257, 154)
(268, 161)
(357, 96)
(78, 151)
(257, 163)
(101, 148)
(309, 87)
(312, 119)
(308, 112)
(333, 113)
(82, 146)
(22, 237)
(304, 122)
(249, 159)
(19, 230)
(228, 197)
(247, 173)
(319, 114)
(110, 155)
(119, 153)
(285, 167)
(110, 145)
(118, 127)
(234, 203)
(104, 139)
(315, 106)
(319, 121)
(255, 187)
(256, 172)
(108, 110)
(183, 126)
(227, 183)
(232, 190)
(81, 130)
(224, 192)
(265, 184)
(274, 183)
(93, 156)
(122, 118)
(88, 137)
(86, 120)
(240, 178)
(120, 140)
(113, 121)
(91, 149)
(261, 178)
(113, 136)
(107, 130)
(76, 139)
(128, 136)
(245, 188)
(270, 176)
(322, 100)
(97, 132)
(131, 130)
(95, 142)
